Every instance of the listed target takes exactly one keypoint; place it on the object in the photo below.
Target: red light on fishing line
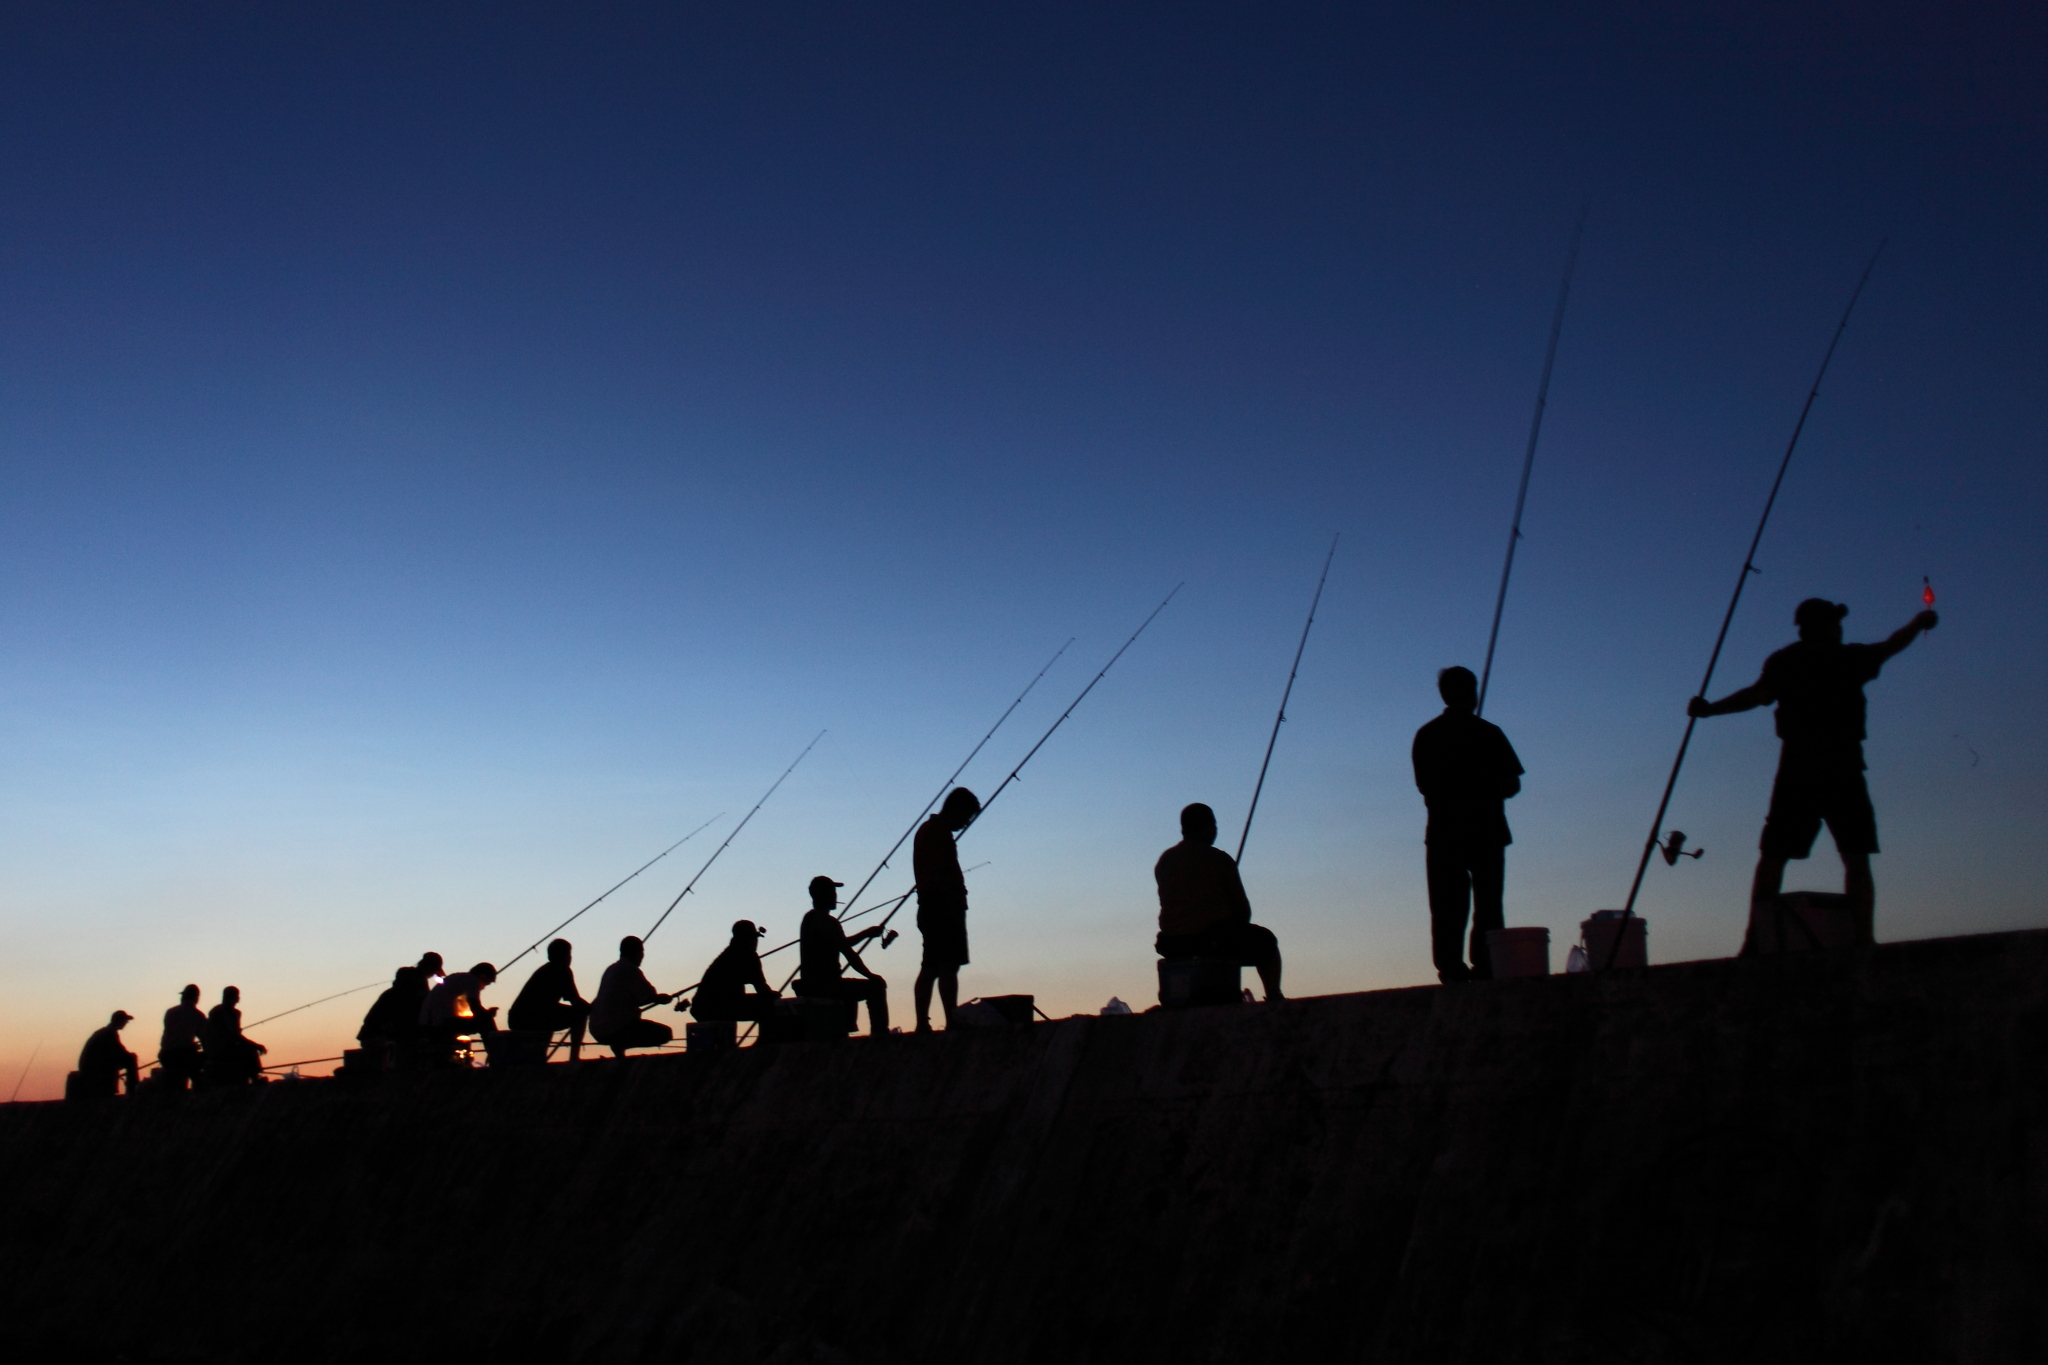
(1926, 591)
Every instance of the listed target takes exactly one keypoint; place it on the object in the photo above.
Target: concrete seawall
(1821, 1158)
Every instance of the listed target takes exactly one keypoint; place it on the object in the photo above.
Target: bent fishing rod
(947, 785)
(730, 837)
(1741, 581)
(1500, 601)
(629, 877)
(1285, 693)
(1005, 783)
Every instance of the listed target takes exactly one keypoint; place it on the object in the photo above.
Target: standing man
(823, 941)
(722, 993)
(180, 1051)
(103, 1061)
(941, 904)
(1818, 687)
(1466, 770)
(548, 1001)
(1203, 911)
(622, 993)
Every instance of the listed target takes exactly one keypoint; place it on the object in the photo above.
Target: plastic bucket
(1518, 952)
(717, 1036)
(1598, 934)
(1190, 981)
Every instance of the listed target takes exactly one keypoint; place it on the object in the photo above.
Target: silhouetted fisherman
(548, 1001)
(393, 1022)
(431, 972)
(1203, 910)
(455, 1009)
(623, 992)
(180, 1052)
(231, 1059)
(104, 1061)
(1818, 687)
(941, 905)
(823, 941)
(723, 995)
(1466, 770)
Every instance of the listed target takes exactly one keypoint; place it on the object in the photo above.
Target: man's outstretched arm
(1906, 634)
(1748, 699)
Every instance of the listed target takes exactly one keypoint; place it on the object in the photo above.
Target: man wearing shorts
(942, 904)
(1203, 911)
(1817, 685)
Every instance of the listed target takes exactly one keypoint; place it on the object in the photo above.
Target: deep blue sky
(447, 451)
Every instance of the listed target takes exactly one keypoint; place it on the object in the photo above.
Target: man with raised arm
(941, 904)
(1817, 685)
(823, 941)
(1466, 770)
(1203, 910)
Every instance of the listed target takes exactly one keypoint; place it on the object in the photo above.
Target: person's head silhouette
(1459, 688)
(1198, 824)
(408, 978)
(960, 809)
(559, 951)
(430, 965)
(825, 893)
(189, 996)
(1819, 620)
(231, 995)
(483, 973)
(747, 932)
(119, 1020)
(632, 950)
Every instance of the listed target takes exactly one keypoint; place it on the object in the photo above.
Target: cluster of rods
(1653, 845)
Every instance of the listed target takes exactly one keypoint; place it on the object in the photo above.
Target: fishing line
(730, 837)
(34, 1052)
(629, 877)
(1564, 289)
(1285, 693)
(1741, 581)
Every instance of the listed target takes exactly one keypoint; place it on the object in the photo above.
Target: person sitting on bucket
(180, 1052)
(722, 996)
(455, 1009)
(104, 1060)
(1203, 911)
(1817, 684)
(823, 941)
(622, 993)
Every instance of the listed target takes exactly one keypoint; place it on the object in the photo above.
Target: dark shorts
(1245, 944)
(945, 937)
(1808, 794)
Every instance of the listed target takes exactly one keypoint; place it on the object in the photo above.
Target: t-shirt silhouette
(1819, 691)
(1199, 889)
(1464, 768)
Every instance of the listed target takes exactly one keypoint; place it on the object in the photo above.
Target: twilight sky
(448, 451)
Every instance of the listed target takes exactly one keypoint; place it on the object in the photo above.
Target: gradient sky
(447, 451)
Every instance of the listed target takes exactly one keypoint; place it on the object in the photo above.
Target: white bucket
(1518, 952)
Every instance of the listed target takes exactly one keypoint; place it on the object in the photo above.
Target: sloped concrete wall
(1839, 1158)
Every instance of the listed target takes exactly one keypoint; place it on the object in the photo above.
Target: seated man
(1203, 911)
(180, 1051)
(455, 1009)
(548, 1001)
(231, 1059)
(104, 1061)
(622, 993)
(393, 1022)
(823, 942)
(722, 995)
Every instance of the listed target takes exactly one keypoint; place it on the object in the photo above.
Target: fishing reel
(1673, 848)
(890, 938)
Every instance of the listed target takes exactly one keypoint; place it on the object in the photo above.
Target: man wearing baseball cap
(104, 1060)
(722, 994)
(1817, 685)
(823, 941)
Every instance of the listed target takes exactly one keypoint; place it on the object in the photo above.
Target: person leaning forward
(104, 1061)
(1817, 685)
(1466, 770)
(1203, 910)
(548, 1001)
(231, 1058)
(622, 993)
(823, 941)
(941, 905)
(723, 995)
(180, 1052)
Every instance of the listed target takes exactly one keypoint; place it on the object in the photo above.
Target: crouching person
(622, 993)
(723, 996)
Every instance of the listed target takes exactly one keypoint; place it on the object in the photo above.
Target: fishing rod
(34, 1052)
(352, 990)
(629, 877)
(1741, 581)
(1005, 783)
(1564, 289)
(1285, 693)
(947, 785)
(730, 837)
